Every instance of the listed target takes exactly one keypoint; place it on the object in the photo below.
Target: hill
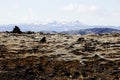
(93, 30)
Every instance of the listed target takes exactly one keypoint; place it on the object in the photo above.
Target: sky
(92, 12)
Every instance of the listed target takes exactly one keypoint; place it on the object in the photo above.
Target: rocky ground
(59, 56)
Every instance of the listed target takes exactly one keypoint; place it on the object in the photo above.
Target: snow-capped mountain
(66, 27)
(53, 26)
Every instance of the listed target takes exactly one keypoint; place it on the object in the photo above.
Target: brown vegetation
(59, 57)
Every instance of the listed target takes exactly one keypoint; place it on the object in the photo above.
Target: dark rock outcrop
(16, 30)
(80, 40)
(43, 40)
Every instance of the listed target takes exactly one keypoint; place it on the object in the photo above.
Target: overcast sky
(93, 12)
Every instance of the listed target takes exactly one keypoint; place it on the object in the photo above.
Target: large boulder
(43, 40)
(16, 30)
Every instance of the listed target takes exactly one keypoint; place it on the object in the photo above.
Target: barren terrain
(61, 57)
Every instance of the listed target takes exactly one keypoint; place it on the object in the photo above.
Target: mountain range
(93, 30)
(75, 27)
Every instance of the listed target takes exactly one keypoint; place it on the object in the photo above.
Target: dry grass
(61, 57)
